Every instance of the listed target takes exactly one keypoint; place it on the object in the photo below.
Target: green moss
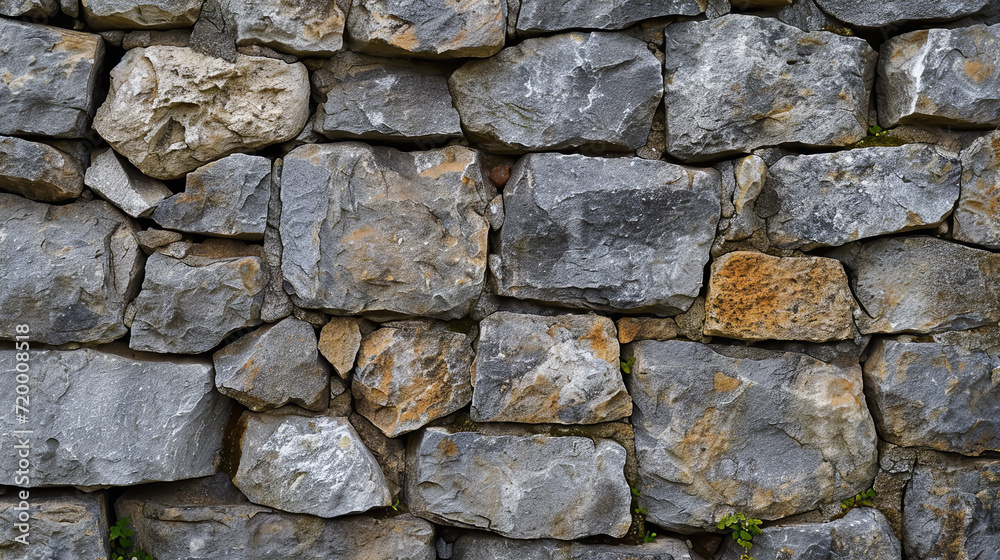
(845, 31)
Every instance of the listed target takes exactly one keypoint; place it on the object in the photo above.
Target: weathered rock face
(209, 519)
(273, 366)
(141, 14)
(301, 27)
(923, 284)
(588, 90)
(753, 296)
(315, 465)
(977, 216)
(121, 184)
(49, 77)
(428, 29)
(940, 76)
(28, 8)
(383, 99)
(189, 305)
(175, 417)
(645, 328)
(164, 112)
(937, 395)
(226, 198)
(832, 199)
(39, 171)
(539, 17)
(482, 546)
(44, 248)
(523, 487)
(339, 342)
(723, 99)
(951, 508)
(62, 525)
(721, 429)
(622, 234)
(412, 372)
(862, 533)
(538, 370)
(892, 12)
(375, 230)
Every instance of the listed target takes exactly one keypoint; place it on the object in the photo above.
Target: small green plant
(876, 130)
(121, 542)
(395, 505)
(866, 498)
(649, 537)
(744, 529)
(635, 491)
(627, 365)
(641, 511)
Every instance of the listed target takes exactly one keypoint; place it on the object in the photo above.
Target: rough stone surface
(892, 12)
(720, 429)
(142, 39)
(375, 230)
(753, 296)
(121, 184)
(645, 328)
(952, 508)
(807, 16)
(481, 546)
(383, 99)
(301, 27)
(315, 465)
(589, 90)
(189, 305)
(537, 370)
(936, 395)
(209, 519)
(863, 533)
(175, 417)
(152, 239)
(339, 342)
(273, 366)
(39, 171)
(977, 216)
(833, 199)
(164, 112)
(941, 76)
(923, 284)
(226, 198)
(523, 487)
(539, 17)
(725, 98)
(28, 8)
(623, 234)
(44, 250)
(428, 29)
(412, 372)
(141, 14)
(62, 525)
(49, 77)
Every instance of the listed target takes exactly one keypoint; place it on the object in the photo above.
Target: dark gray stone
(49, 77)
(189, 305)
(722, 99)
(538, 17)
(833, 199)
(121, 184)
(941, 76)
(383, 99)
(226, 198)
(885, 13)
(29, 8)
(807, 16)
(481, 546)
(922, 284)
(951, 508)
(209, 519)
(942, 396)
(977, 216)
(174, 417)
(523, 487)
(622, 234)
(596, 91)
(62, 524)
(39, 171)
(538, 370)
(70, 270)
(300, 27)
(720, 429)
(374, 230)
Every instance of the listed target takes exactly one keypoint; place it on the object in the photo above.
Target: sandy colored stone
(140, 14)
(339, 342)
(645, 328)
(300, 27)
(166, 115)
(753, 296)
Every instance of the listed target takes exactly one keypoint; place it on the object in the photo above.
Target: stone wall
(500, 279)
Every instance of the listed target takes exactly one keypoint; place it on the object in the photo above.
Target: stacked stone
(502, 279)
